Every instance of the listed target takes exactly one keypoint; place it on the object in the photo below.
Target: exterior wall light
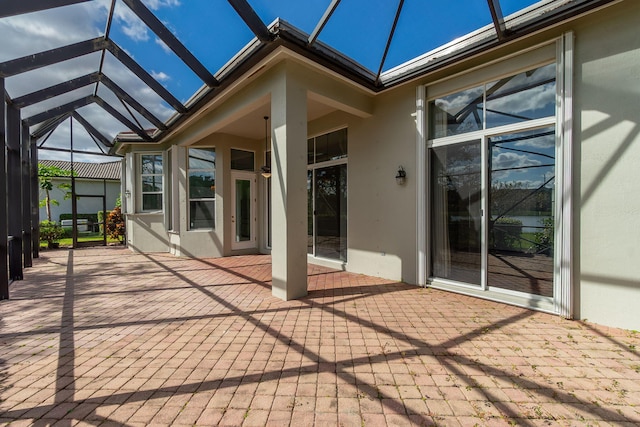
(265, 170)
(401, 176)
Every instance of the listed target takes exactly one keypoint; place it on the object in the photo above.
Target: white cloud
(526, 102)
(512, 160)
(130, 24)
(542, 142)
(36, 32)
(163, 45)
(160, 76)
(455, 102)
(157, 4)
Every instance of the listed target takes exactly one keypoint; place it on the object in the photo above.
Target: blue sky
(358, 28)
(214, 32)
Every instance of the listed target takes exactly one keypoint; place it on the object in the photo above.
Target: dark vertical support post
(104, 212)
(4, 253)
(74, 200)
(27, 226)
(14, 183)
(35, 198)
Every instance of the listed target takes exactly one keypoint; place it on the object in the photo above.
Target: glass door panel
(243, 210)
(330, 187)
(310, 212)
(456, 212)
(521, 211)
(243, 217)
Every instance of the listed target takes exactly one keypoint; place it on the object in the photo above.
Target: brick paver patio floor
(107, 337)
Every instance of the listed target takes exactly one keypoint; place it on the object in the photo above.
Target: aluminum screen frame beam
(52, 56)
(14, 192)
(389, 39)
(323, 21)
(86, 80)
(27, 208)
(58, 111)
(251, 18)
(56, 90)
(171, 41)
(35, 196)
(58, 114)
(124, 96)
(143, 75)
(15, 7)
(91, 129)
(4, 250)
(49, 126)
(75, 151)
(498, 18)
(121, 118)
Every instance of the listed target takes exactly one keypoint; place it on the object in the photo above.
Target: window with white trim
(151, 182)
(202, 188)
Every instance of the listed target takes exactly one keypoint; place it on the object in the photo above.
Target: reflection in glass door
(492, 187)
(243, 218)
(521, 210)
(327, 190)
(331, 212)
(456, 212)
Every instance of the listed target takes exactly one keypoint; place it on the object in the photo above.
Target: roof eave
(520, 24)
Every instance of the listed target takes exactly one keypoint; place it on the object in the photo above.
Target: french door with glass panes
(327, 196)
(492, 163)
(244, 216)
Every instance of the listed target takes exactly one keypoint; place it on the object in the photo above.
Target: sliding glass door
(492, 163)
(521, 211)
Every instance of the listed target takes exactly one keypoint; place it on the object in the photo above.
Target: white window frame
(320, 165)
(140, 186)
(200, 199)
(561, 303)
(172, 215)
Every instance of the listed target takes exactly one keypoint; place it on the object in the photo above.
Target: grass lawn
(82, 237)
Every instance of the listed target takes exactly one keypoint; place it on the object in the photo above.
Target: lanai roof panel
(402, 38)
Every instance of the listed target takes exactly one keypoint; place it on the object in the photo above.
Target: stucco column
(289, 187)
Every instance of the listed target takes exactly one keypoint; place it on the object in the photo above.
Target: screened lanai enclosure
(86, 78)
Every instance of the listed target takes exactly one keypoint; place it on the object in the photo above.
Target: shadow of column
(65, 374)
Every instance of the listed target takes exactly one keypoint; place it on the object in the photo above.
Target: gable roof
(110, 170)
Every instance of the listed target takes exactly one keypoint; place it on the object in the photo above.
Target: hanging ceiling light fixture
(266, 170)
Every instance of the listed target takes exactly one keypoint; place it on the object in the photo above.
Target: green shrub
(115, 224)
(505, 234)
(544, 238)
(101, 221)
(50, 232)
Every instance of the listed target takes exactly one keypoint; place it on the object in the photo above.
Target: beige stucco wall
(86, 205)
(607, 167)
(382, 215)
(146, 233)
